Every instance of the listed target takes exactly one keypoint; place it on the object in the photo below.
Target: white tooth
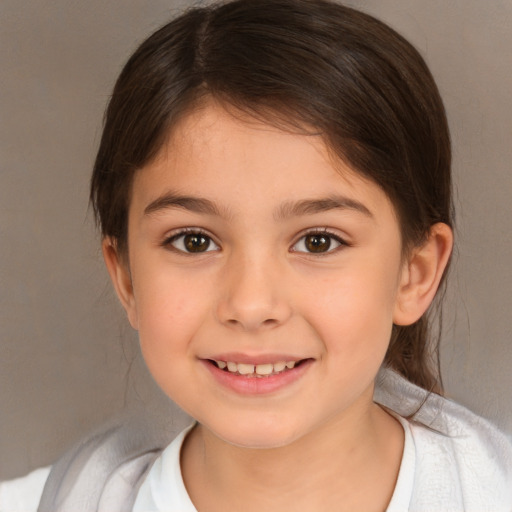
(221, 364)
(290, 364)
(232, 367)
(264, 369)
(245, 369)
(278, 367)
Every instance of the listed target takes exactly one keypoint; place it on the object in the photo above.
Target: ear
(119, 272)
(421, 275)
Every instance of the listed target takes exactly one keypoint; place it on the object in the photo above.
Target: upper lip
(238, 357)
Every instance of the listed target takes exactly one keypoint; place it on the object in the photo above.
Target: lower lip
(257, 385)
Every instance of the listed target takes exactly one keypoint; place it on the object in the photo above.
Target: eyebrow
(312, 206)
(193, 204)
(286, 210)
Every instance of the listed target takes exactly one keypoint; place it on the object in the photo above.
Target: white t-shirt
(459, 462)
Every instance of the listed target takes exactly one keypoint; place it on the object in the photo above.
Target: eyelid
(321, 231)
(181, 232)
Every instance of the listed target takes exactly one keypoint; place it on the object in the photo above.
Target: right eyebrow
(194, 204)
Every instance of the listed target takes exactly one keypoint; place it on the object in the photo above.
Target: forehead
(236, 160)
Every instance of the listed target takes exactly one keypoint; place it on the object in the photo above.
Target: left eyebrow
(312, 206)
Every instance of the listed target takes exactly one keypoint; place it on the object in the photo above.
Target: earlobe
(422, 274)
(119, 272)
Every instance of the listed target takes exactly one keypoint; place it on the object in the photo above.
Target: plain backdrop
(68, 359)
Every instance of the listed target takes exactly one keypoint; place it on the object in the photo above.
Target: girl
(273, 190)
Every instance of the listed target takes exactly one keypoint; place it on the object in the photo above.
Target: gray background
(68, 359)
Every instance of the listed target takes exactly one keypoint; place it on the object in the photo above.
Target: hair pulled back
(298, 63)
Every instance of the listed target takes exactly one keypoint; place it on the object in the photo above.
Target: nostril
(248, 324)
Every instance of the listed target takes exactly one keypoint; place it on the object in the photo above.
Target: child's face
(246, 245)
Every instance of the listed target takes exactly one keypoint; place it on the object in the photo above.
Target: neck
(348, 463)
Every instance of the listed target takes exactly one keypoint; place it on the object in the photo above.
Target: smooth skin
(248, 239)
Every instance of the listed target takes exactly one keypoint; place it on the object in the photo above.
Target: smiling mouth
(256, 370)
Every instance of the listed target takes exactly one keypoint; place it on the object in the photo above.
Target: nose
(253, 295)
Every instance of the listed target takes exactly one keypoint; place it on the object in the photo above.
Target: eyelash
(169, 241)
(321, 233)
(325, 233)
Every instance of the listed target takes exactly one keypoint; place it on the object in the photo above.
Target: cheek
(354, 311)
(169, 318)
(170, 309)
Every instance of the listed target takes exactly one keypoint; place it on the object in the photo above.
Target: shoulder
(470, 463)
(23, 494)
(103, 471)
(476, 458)
(458, 455)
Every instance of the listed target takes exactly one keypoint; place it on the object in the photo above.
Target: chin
(261, 435)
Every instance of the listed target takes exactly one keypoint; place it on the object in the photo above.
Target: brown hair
(305, 63)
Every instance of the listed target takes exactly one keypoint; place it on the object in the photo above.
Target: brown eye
(196, 243)
(317, 243)
(192, 243)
